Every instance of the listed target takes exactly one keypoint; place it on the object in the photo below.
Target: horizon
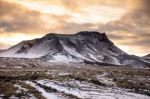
(127, 26)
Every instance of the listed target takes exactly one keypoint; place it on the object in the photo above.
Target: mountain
(1, 50)
(147, 56)
(85, 46)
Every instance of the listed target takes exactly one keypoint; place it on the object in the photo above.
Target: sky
(126, 22)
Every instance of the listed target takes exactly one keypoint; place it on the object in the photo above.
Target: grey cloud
(16, 18)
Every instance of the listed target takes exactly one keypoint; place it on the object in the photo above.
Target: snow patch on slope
(46, 94)
(62, 58)
(89, 91)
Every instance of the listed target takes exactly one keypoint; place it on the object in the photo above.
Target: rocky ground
(30, 79)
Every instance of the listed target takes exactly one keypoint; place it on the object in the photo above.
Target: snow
(108, 81)
(18, 67)
(1, 95)
(146, 60)
(34, 52)
(87, 90)
(31, 96)
(45, 94)
(62, 74)
(75, 92)
(115, 60)
(75, 53)
(62, 58)
(19, 88)
(13, 97)
(93, 57)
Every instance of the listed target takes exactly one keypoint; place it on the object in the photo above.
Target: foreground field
(74, 81)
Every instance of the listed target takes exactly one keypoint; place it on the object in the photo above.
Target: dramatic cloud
(132, 30)
(16, 18)
(126, 22)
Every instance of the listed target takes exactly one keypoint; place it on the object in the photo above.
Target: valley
(73, 81)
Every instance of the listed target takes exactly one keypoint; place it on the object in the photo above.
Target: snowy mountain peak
(85, 46)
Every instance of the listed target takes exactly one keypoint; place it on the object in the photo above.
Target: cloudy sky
(126, 22)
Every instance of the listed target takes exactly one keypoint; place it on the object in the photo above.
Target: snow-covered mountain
(147, 56)
(85, 46)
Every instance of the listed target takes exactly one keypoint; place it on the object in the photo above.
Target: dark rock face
(25, 48)
(84, 46)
